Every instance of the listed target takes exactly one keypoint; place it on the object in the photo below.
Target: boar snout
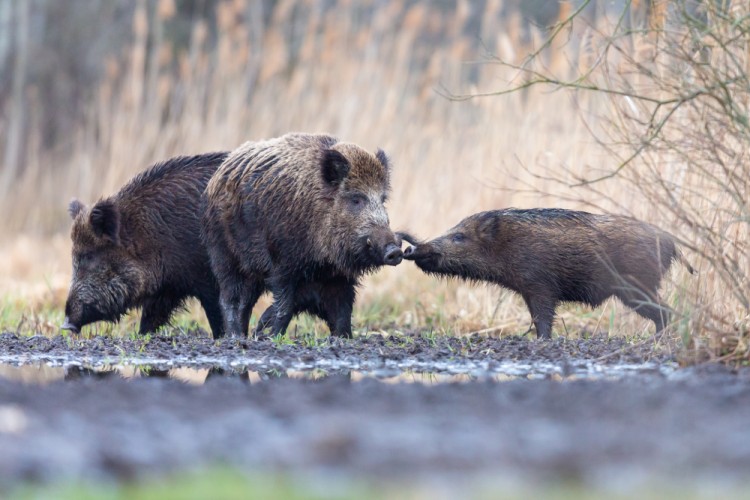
(410, 253)
(73, 312)
(68, 325)
(393, 255)
(383, 248)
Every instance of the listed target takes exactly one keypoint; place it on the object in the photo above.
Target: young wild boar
(141, 248)
(553, 255)
(304, 216)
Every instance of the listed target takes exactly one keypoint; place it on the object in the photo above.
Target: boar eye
(458, 237)
(357, 200)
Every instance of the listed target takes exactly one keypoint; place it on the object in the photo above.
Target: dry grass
(676, 132)
(368, 79)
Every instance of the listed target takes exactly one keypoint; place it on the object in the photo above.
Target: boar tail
(682, 260)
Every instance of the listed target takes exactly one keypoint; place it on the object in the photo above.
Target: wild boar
(553, 255)
(141, 247)
(304, 217)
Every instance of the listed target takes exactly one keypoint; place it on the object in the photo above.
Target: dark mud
(473, 355)
(598, 432)
(683, 426)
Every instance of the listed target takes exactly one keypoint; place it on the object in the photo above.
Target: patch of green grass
(377, 315)
(681, 322)
(312, 340)
(437, 322)
(218, 483)
(228, 484)
(406, 341)
(281, 339)
(431, 337)
(275, 373)
(17, 316)
(306, 324)
(24, 319)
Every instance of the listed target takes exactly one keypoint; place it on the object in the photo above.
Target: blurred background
(94, 91)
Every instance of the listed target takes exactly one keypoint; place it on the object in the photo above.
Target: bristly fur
(555, 255)
(281, 215)
(141, 247)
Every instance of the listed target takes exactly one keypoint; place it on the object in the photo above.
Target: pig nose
(409, 250)
(67, 325)
(393, 255)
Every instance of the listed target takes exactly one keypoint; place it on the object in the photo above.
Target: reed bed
(381, 77)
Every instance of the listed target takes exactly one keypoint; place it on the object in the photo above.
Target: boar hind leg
(265, 320)
(284, 311)
(333, 304)
(641, 296)
(156, 312)
(542, 309)
(307, 299)
(285, 302)
(268, 316)
(656, 312)
(646, 305)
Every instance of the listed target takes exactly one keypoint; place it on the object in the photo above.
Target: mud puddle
(36, 372)
(381, 357)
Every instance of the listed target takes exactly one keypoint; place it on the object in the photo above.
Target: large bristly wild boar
(304, 216)
(554, 255)
(141, 248)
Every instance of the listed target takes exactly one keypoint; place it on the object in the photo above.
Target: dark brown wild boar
(303, 216)
(141, 248)
(554, 255)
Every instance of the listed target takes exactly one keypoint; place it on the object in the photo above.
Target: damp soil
(686, 426)
(474, 354)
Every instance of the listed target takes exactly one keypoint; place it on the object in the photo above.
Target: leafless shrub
(673, 97)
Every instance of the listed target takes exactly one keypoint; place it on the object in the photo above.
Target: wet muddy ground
(473, 355)
(597, 411)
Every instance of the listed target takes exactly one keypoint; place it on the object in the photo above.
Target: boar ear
(383, 159)
(105, 219)
(488, 227)
(75, 207)
(335, 167)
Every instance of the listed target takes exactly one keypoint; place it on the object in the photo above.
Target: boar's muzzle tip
(393, 255)
(409, 251)
(67, 325)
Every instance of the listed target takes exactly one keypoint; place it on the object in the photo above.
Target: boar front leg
(337, 302)
(157, 311)
(213, 313)
(542, 309)
(237, 299)
(284, 304)
(307, 299)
